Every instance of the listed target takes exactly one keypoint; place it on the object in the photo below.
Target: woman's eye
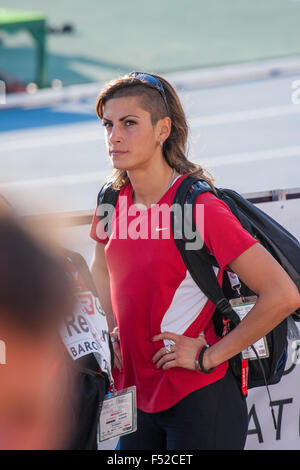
(106, 124)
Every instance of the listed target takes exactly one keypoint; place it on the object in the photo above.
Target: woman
(159, 318)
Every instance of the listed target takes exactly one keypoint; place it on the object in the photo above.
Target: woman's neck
(149, 187)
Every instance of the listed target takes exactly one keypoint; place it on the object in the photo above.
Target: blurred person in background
(55, 379)
(36, 379)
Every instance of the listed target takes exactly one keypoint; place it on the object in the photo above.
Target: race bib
(84, 334)
(86, 330)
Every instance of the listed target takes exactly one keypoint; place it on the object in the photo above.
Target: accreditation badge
(118, 415)
(242, 307)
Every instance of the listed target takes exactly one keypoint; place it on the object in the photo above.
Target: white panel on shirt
(187, 304)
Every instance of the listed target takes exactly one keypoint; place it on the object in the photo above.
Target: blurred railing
(77, 218)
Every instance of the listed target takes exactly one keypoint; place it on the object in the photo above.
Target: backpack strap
(199, 262)
(107, 196)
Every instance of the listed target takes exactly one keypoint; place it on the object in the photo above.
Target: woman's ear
(163, 129)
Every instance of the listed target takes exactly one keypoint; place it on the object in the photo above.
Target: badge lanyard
(242, 306)
(118, 411)
(234, 282)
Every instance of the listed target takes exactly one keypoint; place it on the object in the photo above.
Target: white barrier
(286, 403)
(286, 394)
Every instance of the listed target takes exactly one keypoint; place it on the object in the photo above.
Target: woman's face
(131, 138)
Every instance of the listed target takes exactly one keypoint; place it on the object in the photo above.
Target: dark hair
(174, 148)
(34, 290)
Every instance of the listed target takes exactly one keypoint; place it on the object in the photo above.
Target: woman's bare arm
(277, 298)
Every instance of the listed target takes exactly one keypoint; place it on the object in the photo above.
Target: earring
(161, 143)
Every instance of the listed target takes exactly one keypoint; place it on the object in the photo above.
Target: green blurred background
(114, 37)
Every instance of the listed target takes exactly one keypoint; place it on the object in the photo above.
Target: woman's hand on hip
(181, 352)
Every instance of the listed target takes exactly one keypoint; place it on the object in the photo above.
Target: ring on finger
(168, 348)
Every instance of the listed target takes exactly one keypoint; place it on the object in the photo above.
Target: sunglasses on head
(153, 82)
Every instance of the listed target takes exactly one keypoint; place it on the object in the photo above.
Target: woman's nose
(115, 134)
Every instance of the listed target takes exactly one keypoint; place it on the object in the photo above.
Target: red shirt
(152, 291)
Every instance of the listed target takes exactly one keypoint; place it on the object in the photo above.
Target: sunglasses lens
(149, 79)
(153, 81)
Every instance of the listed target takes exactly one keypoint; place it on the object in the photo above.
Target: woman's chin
(120, 167)
(117, 164)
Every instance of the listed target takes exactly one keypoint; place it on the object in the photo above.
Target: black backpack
(283, 246)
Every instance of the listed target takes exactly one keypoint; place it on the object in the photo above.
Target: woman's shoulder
(208, 198)
(222, 232)
(213, 205)
(217, 217)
